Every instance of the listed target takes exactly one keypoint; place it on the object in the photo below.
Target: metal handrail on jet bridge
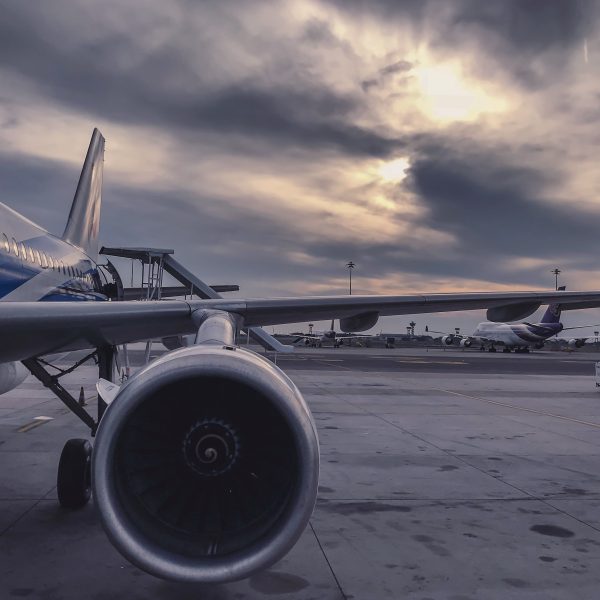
(193, 284)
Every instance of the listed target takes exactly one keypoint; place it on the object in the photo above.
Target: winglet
(84, 218)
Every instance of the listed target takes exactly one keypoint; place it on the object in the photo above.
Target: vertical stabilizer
(552, 314)
(84, 218)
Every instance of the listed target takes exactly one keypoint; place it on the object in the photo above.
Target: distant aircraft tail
(552, 314)
(84, 219)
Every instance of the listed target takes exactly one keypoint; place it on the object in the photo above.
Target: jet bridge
(155, 261)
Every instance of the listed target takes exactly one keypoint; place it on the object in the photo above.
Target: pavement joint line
(21, 516)
(522, 408)
(337, 582)
(464, 460)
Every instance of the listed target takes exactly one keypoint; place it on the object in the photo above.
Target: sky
(441, 145)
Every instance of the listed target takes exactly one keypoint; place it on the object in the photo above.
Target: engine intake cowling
(448, 340)
(205, 467)
(12, 375)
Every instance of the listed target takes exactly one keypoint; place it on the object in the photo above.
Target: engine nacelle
(576, 343)
(206, 465)
(448, 340)
(12, 375)
(361, 322)
(465, 343)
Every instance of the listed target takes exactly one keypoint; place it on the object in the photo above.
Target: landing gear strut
(74, 482)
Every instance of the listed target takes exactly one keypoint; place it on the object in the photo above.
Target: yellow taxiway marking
(35, 423)
(529, 410)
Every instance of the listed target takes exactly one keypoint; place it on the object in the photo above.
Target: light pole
(556, 272)
(350, 265)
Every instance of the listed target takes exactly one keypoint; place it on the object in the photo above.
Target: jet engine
(206, 465)
(576, 343)
(448, 340)
(12, 375)
(465, 343)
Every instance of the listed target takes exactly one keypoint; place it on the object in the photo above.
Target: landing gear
(506, 350)
(74, 481)
(492, 349)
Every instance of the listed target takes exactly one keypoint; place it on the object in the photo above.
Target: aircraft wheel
(74, 481)
(491, 349)
(507, 350)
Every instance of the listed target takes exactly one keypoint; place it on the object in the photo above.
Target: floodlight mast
(350, 265)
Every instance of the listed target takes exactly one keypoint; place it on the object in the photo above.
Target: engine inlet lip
(246, 368)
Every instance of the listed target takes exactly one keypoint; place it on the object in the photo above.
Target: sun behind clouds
(446, 95)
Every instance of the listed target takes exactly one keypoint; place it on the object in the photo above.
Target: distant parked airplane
(317, 339)
(515, 336)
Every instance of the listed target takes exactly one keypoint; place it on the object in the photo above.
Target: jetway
(155, 261)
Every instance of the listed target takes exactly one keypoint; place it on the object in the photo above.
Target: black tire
(74, 483)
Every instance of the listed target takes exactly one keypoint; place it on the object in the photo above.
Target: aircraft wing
(38, 328)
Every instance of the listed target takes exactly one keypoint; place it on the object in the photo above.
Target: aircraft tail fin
(552, 314)
(84, 218)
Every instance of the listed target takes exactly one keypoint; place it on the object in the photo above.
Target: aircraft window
(23, 251)
(15, 247)
(38, 258)
(44, 260)
(5, 242)
(31, 256)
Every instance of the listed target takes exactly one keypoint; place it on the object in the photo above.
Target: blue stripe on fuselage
(14, 272)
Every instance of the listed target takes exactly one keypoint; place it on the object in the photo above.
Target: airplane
(205, 464)
(331, 335)
(516, 336)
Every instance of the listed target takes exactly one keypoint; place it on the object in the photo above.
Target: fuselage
(517, 334)
(36, 265)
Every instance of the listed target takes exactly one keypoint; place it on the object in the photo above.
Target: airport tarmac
(444, 475)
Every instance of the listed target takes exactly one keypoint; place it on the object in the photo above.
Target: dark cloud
(499, 208)
(529, 26)
(400, 66)
(506, 35)
(162, 88)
